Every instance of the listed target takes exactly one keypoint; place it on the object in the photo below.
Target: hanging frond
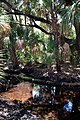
(68, 16)
(5, 30)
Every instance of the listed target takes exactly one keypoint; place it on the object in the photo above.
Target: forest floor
(17, 102)
(68, 78)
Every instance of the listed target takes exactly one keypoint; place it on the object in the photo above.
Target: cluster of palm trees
(27, 15)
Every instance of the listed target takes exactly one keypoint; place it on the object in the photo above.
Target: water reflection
(46, 94)
(68, 106)
(36, 91)
(43, 93)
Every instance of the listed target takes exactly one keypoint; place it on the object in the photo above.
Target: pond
(44, 93)
(41, 98)
(47, 94)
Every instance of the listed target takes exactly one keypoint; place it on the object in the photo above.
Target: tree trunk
(78, 42)
(12, 45)
(12, 50)
(13, 57)
(1, 44)
(76, 100)
(77, 28)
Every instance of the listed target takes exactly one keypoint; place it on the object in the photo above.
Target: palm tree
(47, 13)
(70, 16)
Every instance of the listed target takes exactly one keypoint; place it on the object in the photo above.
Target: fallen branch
(49, 83)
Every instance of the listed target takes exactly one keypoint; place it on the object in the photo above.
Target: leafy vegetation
(42, 38)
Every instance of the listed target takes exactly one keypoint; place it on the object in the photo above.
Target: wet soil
(20, 92)
(17, 103)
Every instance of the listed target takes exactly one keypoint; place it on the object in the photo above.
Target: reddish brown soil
(21, 92)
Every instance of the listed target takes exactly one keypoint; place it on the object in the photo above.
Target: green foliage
(50, 46)
(49, 58)
(39, 47)
(71, 34)
(34, 48)
(48, 4)
(21, 57)
(20, 31)
(68, 15)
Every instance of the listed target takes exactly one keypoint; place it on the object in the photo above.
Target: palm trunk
(78, 42)
(12, 37)
(77, 28)
(13, 57)
(1, 44)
